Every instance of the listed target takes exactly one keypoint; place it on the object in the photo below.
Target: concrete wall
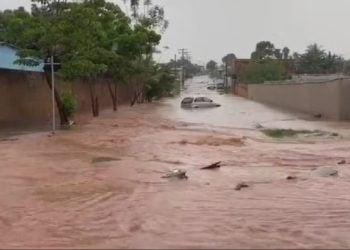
(344, 100)
(240, 90)
(25, 98)
(300, 78)
(331, 99)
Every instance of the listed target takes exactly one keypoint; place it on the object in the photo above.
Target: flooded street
(99, 185)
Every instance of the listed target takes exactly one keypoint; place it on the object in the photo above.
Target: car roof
(193, 97)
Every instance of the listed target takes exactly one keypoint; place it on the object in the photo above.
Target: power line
(183, 52)
(185, 55)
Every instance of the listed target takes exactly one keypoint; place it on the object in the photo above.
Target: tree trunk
(143, 94)
(94, 100)
(113, 91)
(97, 107)
(139, 99)
(135, 98)
(63, 118)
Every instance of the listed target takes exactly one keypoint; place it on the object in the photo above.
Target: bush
(281, 133)
(163, 83)
(69, 103)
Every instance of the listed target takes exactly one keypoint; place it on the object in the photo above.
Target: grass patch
(282, 133)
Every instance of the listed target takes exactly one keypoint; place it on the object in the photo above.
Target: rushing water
(236, 112)
(55, 193)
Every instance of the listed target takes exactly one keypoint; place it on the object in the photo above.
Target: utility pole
(175, 63)
(184, 53)
(226, 74)
(50, 63)
(176, 73)
(53, 94)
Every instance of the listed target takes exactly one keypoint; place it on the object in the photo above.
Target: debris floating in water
(241, 185)
(326, 171)
(259, 126)
(103, 159)
(177, 173)
(212, 166)
(342, 162)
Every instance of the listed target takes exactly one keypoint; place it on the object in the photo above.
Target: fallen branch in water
(213, 166)
(241, 185)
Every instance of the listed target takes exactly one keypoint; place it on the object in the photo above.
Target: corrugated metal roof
(8, 57)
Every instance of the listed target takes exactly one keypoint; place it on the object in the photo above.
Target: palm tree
(134, 4)
(146, 5)
(285, 52)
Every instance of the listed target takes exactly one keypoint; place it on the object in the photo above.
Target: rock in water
(326, 171)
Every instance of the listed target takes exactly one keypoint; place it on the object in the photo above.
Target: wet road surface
(99, 185)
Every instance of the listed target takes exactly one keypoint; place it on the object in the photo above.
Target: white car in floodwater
(198, 102)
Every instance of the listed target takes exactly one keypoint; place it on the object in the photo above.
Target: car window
(199, 99)
(187, 100)
(206, 99)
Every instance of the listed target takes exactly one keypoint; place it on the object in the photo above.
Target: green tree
(92, 40)
(316, 60)
(139, 47)
(278, 54)
(6, 17)
(346, 68)
(38, 38)
(87, 50)
(212, 67)
(312, 60)
(162, 82)
(263, 50)
(263, 70)
(152, 16)
(229, 58)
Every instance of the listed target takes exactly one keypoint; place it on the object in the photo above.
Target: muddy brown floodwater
(99, 185)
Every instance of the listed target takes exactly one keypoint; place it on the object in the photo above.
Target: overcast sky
(212, 28)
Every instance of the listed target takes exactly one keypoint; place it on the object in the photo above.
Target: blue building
(8, 57)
